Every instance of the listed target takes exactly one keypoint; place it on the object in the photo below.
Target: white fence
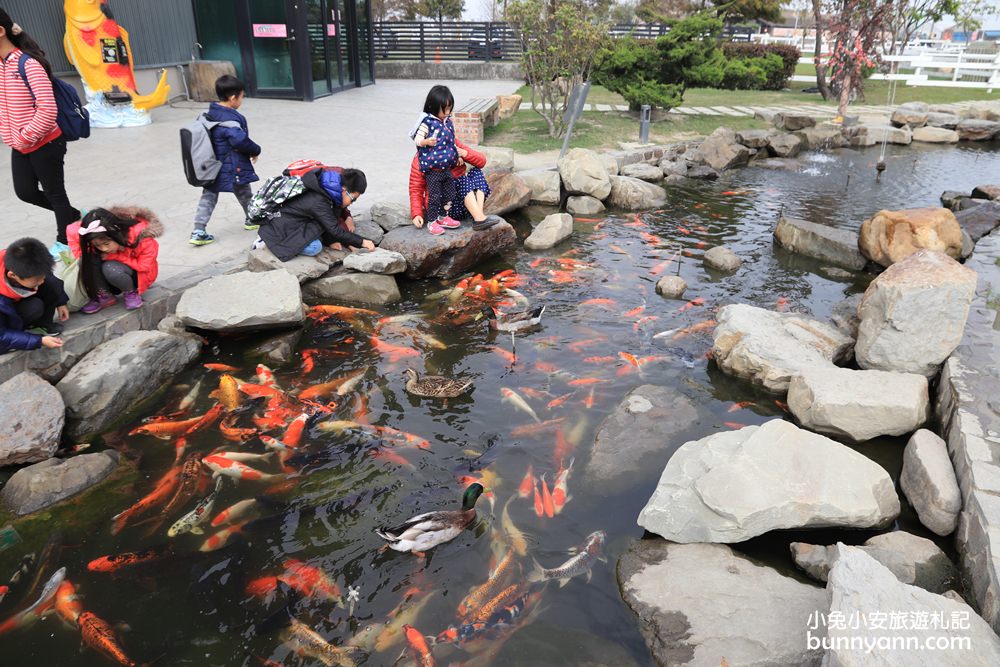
(938, 68)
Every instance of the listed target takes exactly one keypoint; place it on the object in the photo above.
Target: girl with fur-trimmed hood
(117, 249)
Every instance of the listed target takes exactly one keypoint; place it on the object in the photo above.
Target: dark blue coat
(233, 148)
(12, 333)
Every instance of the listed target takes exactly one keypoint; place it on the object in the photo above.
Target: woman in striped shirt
(28, 126)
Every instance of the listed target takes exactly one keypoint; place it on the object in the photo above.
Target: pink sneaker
(100, 302)
(132, 300)
(435, 228)
(449, 223)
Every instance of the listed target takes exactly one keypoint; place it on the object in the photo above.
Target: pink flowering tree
(858, 28)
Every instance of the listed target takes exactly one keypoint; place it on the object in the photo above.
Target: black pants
(115, 277)
(45, 167)
(38, 310)
(441, 190)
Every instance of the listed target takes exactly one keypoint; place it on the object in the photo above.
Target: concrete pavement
(365, 128)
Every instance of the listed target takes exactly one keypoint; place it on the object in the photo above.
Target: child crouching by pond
(118, 251)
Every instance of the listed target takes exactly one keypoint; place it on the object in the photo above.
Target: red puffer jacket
(143, 236)
(25, 124)
(418, 186)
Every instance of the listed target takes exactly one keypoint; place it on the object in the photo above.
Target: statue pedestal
(105, 115)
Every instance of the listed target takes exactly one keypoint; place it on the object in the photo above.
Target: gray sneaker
(487, 223)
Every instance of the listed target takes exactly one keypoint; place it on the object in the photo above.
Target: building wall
(162, 32)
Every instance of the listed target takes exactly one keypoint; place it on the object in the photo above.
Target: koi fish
(310, 581)
(293, 434)
(260, 390)
(560, 492)
(586, 555)
(223, 466)
(98, 635)
(180, 447)
(305, 641)
(191, 522)
(236, 513)
(547, 499)
(234, 433)
(559, 400)
(524, 490)
(782, 304)
(625, 356)
(781, 405)
(68, 604)
(39, 607)
(603, 303)
(222, 538)
(734, 425)
(165, 430)
(651, 239)
(577, 347)
(512, 397)
(190, 397)
(518, 540)
(562, 447)
(222, 368)
(598, 360)
(207, 420)
(539, 504)
(635, 311)
(308, 361)
(228, 392)
(535, 393)
(190, 479)
(391, 457)
(583, 382)
(418, 646)
(589, 401)
(360, 411)
(546, 367)
(164, 489)
(742, 405)
(263, 587)
(535, 429)
(699, 327)
(351, 382)
(509, 357)
(697, 301)
(116, 562)
(403, 614)
(340, 311)
(401, 437)
(498, 602)
(393, 352)
(661, 267)
(643, 321)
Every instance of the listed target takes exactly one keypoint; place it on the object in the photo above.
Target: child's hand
(62, 312)
(254, 159)
(367, 244)
(462, 153)
(429, 141)
(418, 222)
(51, 341)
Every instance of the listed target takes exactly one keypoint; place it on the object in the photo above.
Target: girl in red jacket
(29, 126)
(117, 249)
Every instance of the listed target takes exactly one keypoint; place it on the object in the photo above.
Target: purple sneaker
(100, 302)
(132, 300)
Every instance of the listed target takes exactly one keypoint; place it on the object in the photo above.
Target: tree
(559, 41)
(906, 17)
(858, 27)
(748, 10)
(391, 10)
(821, 67)
(623, 11)
(662, 11)
(970, 13)
(440, 10)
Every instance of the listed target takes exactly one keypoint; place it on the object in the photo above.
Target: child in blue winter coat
(237, 153)
(30, 298)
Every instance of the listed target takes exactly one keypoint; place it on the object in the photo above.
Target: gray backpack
(201, 167)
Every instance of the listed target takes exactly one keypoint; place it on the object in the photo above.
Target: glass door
(319, 57)
(362, 21)
(272, 36)
(345, 42)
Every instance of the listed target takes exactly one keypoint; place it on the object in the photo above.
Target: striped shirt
(26, 125)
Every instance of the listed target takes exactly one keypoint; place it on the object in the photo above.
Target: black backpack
(71, 116)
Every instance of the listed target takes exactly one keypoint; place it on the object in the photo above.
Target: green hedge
(777, 79)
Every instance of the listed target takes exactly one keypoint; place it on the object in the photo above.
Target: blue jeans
(314, 248)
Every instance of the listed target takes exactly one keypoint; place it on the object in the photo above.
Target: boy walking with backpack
(236, 153)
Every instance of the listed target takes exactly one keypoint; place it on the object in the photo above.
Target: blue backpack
(72, 117)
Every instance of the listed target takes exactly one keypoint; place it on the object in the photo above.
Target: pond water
(187, 607)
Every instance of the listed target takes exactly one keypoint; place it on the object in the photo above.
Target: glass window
(217, 32)
(272, 55)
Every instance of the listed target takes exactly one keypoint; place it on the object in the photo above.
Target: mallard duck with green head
(435, 386)
(426, 531)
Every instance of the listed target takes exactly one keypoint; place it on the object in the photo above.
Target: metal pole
(644, 115)
(577, 99)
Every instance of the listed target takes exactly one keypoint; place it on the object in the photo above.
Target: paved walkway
(817, 110)
(365, 128)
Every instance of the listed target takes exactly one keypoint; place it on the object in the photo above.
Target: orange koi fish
(339, 311)
(547, 499)
(235, 433)
(509, 357)
(661, 267)
(546, 367)
(535, 393)
(524, 490)
(576, 217)
(165, 430)
(583, 382)
(781, 405)
(556, 402)
(164, 489)
(561, 277)
(418, 646)
(683, 230)
(308, 361)
(68, 604)
(393, 352)
(235, 513)
(535, 429)
(629, 358)
(110, 564)
(700, 327)
(180, 446)
(262, 587)
(264, 375)
(782, 304)
(697, 301)
(539, 505)
(222, 368)
(598, 360)
(742, 405)
(643, 321)
(577, 347)
(617, 249)
(223, 466)
(560, 492)
(651, 239)
(259, 390)
(589, 401)
(98, 635)
(401, 437)
(360, 409)
(228, 392)
(635, 311)
(310, 581)
(222, 538)
(535, 263)
(603, 303)
(733, 425)
(391, 457)
(293, 434)
(563, 446)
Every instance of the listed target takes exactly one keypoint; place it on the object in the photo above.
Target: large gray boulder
(722, 151)
(507, 193)
(118, 374)
(544, 184)
(977, 130)
(243, 301)
(379, 260)
(584, 205)
(859, 405)
(638, 433)
(979, 220)
(821, 138)
(860, 587)
(390, 215)
(631, 194)
(768, 348)
(935, 135)
(550, 232)
(914, 560)
(498, 158)
(948, 121)
(832, 245)
(909, 117)
(277, 350)
(784, 144)
(913, 315)
(705, 605)
(754, 138)
(643, 171)
(722, 259)
(734, 485)
(451, 254)
(32, 414)
(872, 135)
(789, 121)
(44, 484)
(370, 288)
(583, 172)
(302, 267)
(367, 229)
(929, 482)
(673, 167)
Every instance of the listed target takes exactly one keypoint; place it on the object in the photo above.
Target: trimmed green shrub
(788, 54)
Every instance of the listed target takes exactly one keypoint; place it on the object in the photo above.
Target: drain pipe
(183, 76)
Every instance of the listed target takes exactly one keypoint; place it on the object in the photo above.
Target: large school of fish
(265, 425)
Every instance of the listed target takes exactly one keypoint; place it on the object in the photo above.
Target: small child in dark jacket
(30, 297)
(237, 153)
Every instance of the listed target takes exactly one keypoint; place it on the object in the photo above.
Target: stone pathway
(816, 110)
